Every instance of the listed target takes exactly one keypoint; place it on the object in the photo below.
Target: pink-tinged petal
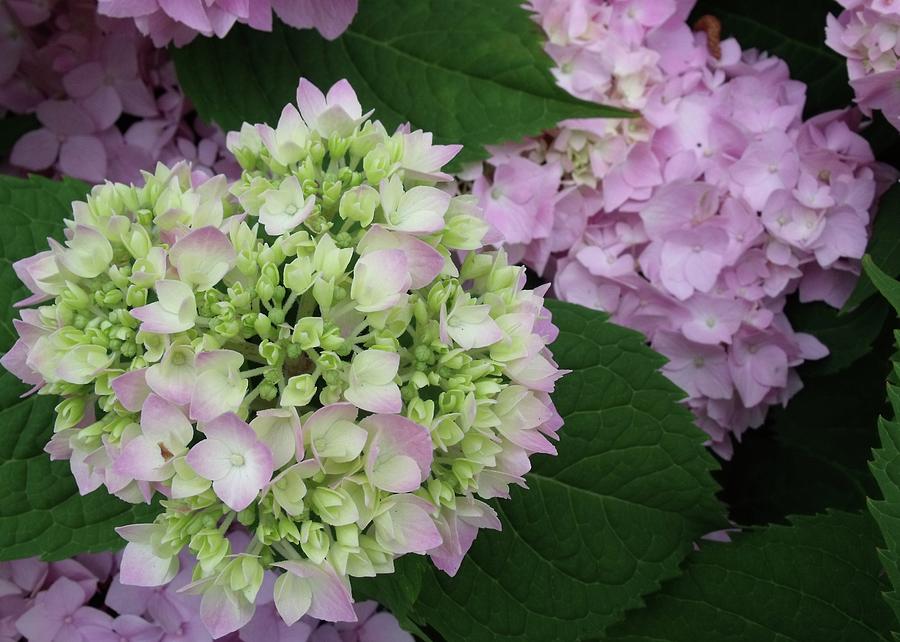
(279, 429)
(458, 530)
(421, 210)
(164, 423)
(333, 433)
(331, 600)
(219, 388)
(384, 399)
(140, 566)
(176, 310)
(424, 262)
(380, 279)
(127, 8)
(383, 627)
(535, 372)
(83, 157)
(104, 106)
(65, 118)
(131, 389)
(203, 257)
(173, 377)
(400, 453)
(37, 150)
(329, 18)
(406, 526)
(188, 12)
(241, 486)
(211, 459)
(15, 361)
(310, 100)
(142, 459)
(224, 611)
(342, 95)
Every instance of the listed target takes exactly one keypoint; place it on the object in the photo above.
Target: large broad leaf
(886, 463)
(884, 246)
(794, 31)
(815, 579)
(604, 522)
(41, 512)
(472, 72)
(812, 455)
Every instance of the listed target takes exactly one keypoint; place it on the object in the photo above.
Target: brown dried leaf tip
(713, 28)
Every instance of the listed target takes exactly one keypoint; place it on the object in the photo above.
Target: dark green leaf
(886, 463)
(884, 246)
(848, 336)
(889, 287)
(42, 512)
(472, 72)
(794, 31)
(815, 579)
(814, 454)
(605, 521)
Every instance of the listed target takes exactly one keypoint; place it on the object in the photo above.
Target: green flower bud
(273, 353)
(210, 547)
(315, 540)
(69, 412)
(299, 390)
(307, 332)
(262, 325)
(359, 204)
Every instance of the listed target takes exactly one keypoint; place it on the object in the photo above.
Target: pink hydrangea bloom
(693, 222)
(47, 602)
(866, 32)
(108, 102)
(180, 21)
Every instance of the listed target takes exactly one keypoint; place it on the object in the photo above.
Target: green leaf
(848, 336)
(812, 455)
(795, 32)
(815, 579)
(886, 511)
(42, 512)
(889, 287)
(471, 72)
(884, 246)
(886, 462)
(604, 522)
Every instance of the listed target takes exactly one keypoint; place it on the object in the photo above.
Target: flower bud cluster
(297, 354)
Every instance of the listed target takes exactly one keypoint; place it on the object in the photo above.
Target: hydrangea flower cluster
(693, 222)
(866, 32)
(83, 600)
(107, 101)
(296, 353)
(179, 21)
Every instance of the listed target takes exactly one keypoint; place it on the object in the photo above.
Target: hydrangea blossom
(296, 353)
(84, 599)
(179, 21)
(866, 33)
(107, 102)
(694, 221)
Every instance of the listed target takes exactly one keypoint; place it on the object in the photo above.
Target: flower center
(698, 362)
(291, 209)
(237, 460)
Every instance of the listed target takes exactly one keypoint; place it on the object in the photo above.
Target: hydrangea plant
(297, 354)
